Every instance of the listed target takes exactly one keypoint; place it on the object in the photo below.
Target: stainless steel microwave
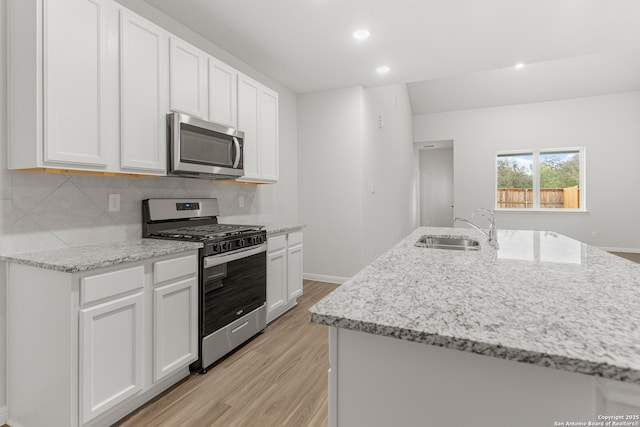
(202, 149)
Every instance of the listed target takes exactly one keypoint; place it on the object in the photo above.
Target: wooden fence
(567, 198)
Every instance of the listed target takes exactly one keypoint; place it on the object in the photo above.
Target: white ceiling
(307, 44)
(576, 77)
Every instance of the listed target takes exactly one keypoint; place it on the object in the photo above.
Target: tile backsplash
(49, 210)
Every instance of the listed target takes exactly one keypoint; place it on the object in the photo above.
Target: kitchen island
(544, 330)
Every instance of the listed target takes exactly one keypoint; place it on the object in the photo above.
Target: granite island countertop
(89, 257)
(542, 298)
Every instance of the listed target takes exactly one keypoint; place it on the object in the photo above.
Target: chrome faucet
(492, 236)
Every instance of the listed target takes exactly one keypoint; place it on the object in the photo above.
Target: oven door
(233, 285)
(199, 147)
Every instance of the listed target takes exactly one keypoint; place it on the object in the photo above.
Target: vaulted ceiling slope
(307, 44)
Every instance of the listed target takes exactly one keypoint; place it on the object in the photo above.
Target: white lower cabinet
(93, 346)
(175, 326)
(110, 354)
(294, 265)
(284, 273)
(276, 275)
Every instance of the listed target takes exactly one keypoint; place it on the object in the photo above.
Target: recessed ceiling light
(519, 65)
(383, 69)
(361, 34)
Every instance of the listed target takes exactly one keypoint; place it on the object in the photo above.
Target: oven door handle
(212, 261)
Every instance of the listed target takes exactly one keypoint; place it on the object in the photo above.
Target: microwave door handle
(236, 162)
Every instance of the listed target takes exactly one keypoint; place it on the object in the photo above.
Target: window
(542, 180)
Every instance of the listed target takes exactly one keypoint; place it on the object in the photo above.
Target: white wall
(436, 187)
(608, 126)
(390, 165)
(342, 153)
(330, 181)
(35, 208)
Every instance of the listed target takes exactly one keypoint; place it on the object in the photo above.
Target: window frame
(535, 153)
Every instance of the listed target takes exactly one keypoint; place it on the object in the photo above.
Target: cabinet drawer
(276, 243)
(101, 286)
(295, 238)
(174, 268)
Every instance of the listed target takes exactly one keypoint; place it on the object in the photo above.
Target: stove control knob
(241, 243)
(223, 246)
(216, 248)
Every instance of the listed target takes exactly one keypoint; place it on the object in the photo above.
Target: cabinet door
(110, 354)
(276, 281)
(294, 271)
(144, 94)
(268, 135)
(75, 82)
(188, 79)
(223, 93)
(175, 326)
(248, 101)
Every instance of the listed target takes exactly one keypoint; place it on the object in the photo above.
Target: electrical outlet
(114, 202)
(594, 234)
(380, 122)
(241, 201)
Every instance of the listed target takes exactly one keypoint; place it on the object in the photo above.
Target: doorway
(436, 183)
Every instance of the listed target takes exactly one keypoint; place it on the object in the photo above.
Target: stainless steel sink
(450, 243)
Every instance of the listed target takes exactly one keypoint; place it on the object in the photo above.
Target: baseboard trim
(610, 249)
(323, 278)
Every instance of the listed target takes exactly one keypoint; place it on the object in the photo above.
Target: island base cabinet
(382, 381)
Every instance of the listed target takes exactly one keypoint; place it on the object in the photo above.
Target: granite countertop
(283, 228)
(542, 298)
(90, 257)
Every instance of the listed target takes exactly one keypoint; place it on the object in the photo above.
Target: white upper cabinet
(223, 94)
(57, 83)
(144, 88)
(87, 87)
(89, 84)
(258, 119)
(75, 58)
(248, 115)
(188, 79)
(268, 135)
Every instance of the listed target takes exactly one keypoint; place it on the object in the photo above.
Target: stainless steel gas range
(233, 271)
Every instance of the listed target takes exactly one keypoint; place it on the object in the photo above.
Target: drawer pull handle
(234, 330)
(239, 312)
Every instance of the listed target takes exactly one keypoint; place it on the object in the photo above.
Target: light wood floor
(630, 256)
(278, 379)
